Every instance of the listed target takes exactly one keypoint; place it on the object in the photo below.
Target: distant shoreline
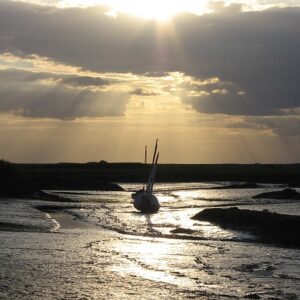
(28, 179)
(138, 172)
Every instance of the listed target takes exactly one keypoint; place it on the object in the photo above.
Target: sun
(161, 10)
(155, 9)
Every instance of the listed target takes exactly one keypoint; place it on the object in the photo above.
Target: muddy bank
(67, 221)
(267, 226)
(6, 226)
(288, 194)
(245, 185)
(41, 195)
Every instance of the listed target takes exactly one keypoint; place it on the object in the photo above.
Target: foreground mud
(100, 248)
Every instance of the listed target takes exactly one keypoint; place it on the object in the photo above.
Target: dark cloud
(231, 104)
(142, 92)
(156, 74)
(256, 52)
(85, 81)
(288, 128)
(27, 94)
(14, 75)
(218, 97)
(280, 125)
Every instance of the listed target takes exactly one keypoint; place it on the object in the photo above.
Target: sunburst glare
(157, 9)
(161, 10)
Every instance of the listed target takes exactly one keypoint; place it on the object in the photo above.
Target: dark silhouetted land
(246, 185)
(26, 179)
(284, 194)
(267, 226)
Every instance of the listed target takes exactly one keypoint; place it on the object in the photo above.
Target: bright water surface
(140, 252)
(207, 258)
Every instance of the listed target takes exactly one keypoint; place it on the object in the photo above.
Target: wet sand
(65, 264)
(13, 227)
(67, 221)
(76, 260)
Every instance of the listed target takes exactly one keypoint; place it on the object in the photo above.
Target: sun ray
(161, 10)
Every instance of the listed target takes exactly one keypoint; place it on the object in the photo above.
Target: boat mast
(153, 170)
(154, 153)
(145, 162)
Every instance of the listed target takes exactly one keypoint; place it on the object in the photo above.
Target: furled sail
(144, 200)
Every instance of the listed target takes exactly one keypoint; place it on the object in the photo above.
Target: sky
(214, 81)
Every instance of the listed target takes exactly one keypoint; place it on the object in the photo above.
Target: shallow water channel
(102, 248)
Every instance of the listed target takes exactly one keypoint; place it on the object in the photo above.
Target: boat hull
(145, 203)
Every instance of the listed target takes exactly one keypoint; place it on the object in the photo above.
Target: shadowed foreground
(103, 249)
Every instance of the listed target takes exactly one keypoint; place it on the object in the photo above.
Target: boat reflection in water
(144, 200)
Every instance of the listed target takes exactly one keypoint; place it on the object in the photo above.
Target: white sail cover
(144, 200)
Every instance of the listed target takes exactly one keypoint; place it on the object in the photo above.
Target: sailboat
(144, 200)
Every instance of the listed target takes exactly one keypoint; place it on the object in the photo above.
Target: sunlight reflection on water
(179, 202)
(198, 257)
(107, 265)
(152, 259)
